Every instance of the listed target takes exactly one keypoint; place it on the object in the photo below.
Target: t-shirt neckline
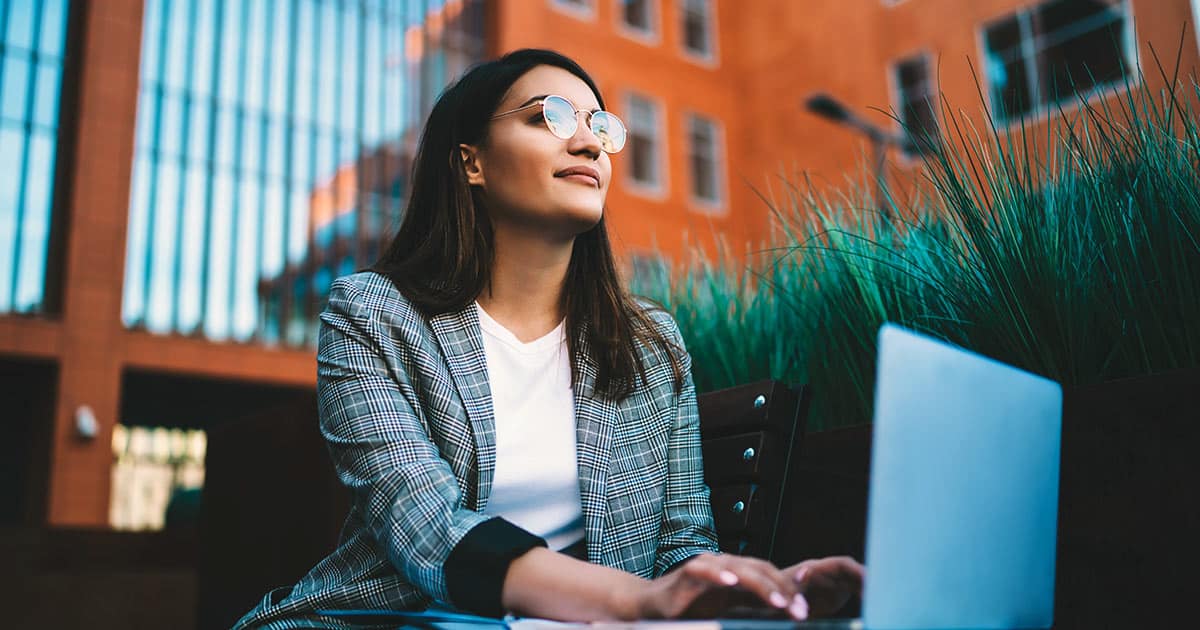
(550, 341)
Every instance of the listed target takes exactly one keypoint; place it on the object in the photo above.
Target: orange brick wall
(772, 55)
(89, 371)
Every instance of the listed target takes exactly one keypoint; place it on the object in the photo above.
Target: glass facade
(32, 51)
(274, 139)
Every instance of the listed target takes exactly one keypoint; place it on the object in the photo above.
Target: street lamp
(830, 109)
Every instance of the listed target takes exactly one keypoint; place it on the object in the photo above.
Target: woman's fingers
(838, 571)
(827, 583)
(757, 577)
(765, 581)
(689, 587)
(709, 568)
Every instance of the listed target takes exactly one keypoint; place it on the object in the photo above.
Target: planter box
(1129, 508)
(1128, 503)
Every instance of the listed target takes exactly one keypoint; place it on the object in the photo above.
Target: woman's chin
(577, 215)
(585, 219)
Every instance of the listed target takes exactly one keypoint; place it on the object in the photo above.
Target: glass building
(33, 41)
(274, 138)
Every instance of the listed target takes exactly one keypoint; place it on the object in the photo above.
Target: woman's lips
(582, 174)
(582, 179)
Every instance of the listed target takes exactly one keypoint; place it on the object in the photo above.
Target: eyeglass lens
(562, 120)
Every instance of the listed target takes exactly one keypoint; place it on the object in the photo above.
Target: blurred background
(181, 180)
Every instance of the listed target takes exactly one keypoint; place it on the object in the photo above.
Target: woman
(518, 434)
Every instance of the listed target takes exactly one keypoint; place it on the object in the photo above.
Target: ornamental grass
(1072, 252)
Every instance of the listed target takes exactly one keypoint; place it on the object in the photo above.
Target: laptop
(963, 502)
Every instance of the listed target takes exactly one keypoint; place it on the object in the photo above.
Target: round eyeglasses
(562, 119)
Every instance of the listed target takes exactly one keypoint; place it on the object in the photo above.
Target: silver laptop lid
(963, 502)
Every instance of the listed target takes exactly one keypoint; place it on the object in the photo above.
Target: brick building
(180, 181)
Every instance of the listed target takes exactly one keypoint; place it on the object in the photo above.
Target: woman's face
(523, 168)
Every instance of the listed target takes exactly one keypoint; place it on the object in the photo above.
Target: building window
(272, 146)
(698, 27)
(1054, 51)
(645, 142)
(157, 476)
(704, 160)
(579, 8)
(916, 97)
(637, 16)
(33, 38)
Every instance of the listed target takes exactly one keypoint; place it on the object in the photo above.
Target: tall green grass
(1073, 253)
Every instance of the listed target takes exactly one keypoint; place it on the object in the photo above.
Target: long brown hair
(441, 258)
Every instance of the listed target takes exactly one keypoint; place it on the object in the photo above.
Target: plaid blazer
(406, 413)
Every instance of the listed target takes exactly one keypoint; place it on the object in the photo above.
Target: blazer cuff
(478, 564)
(675, 558)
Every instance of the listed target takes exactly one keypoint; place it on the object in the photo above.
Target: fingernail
(799, 607)
(799, 575)
(778, 600)
(728, 577)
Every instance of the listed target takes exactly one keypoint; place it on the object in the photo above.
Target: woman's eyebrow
(531, 100)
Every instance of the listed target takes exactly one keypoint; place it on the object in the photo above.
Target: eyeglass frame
(542, 102)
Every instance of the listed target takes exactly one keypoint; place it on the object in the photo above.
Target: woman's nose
(584, 140)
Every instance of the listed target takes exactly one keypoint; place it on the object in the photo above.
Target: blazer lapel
(459, 336)
(595, 420)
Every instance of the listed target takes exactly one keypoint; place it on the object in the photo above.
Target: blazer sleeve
(688, 527)
(408, 495)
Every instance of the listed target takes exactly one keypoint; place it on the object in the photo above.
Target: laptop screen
(963, 500)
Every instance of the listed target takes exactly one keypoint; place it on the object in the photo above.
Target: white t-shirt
(536, 484)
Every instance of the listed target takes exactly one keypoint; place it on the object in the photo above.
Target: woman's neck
(525, 294)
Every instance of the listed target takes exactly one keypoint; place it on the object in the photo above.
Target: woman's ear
(472, 164)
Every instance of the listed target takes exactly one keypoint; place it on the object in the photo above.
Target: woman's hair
(442, 256)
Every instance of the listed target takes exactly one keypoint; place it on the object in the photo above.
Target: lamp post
(830, 109)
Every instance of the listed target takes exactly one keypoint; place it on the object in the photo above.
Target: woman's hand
(827, 583)
(708, 584)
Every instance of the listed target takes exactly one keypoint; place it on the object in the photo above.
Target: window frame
(897, 96)
(1196, 19)
(303, 219)
(720, 205)
(585, 13)
(36, 281)
(710, 58)
(1041, 111)
(650, 36)
(658, 190)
